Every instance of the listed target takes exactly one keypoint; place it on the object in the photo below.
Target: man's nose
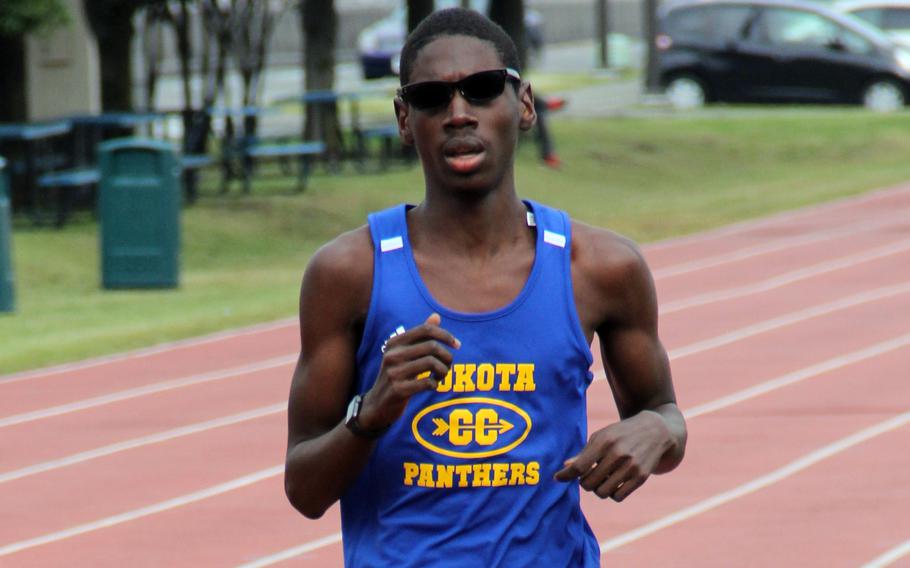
(461, 112)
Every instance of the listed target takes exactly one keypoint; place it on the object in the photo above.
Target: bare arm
(616, 298)
(324, 457)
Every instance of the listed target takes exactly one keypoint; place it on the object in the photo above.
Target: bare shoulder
(605, 254)
(611, 278)
(340, 273)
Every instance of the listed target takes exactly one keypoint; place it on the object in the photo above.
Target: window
(795, 28)
(729, 22)
(689, 23)
(709, 22)
(896, 19)
(872, 15)
(855, 43)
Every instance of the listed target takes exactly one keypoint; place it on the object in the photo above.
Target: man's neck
(469, 224)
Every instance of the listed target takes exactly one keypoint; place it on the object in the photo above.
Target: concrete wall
(62, 70)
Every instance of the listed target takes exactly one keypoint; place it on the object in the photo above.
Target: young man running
(440, 391)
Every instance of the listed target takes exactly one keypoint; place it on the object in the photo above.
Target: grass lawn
(242, 257)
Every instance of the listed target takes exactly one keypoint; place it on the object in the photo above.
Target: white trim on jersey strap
(395, 243)
(554, 239)
(532, 221)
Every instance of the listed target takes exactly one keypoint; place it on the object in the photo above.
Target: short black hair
(456, 21)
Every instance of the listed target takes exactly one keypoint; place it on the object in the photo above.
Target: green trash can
(7, 299)
(139, 210)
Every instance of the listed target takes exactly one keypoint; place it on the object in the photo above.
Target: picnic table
(30, 150)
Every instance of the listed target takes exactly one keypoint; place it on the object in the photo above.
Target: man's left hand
(618, 459)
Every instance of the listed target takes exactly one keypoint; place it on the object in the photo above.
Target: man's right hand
(407, 359)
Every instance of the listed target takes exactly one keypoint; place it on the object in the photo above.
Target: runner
(440, 391)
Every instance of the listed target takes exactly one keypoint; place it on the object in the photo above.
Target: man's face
(463, 145)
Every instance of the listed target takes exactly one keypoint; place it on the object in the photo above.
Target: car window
(855, 43)
(688, 24)
(708, 22)
(872, 15)
(795, 28)
(896, 19)
(729, 22)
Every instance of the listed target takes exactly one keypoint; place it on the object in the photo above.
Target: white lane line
(687, 350)
(147, 351)
(159, 437)
(698, 347)
(790, 378)
(890, 557)
(148, 389)
(293, 552)
(790, 319)
(786, 278)
(776, 245)
(781, 219)
(144, 511)
(806, 373)
(756, 484)
(288, 322)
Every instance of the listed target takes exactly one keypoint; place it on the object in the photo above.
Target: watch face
(353, 408)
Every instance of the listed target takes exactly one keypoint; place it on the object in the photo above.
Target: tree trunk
(112, 25)
(417, 11)
(602, 15)
(151, 48)
(13, 102)
(319, 22)
(650, 30)
(510, 14)
(184, 50)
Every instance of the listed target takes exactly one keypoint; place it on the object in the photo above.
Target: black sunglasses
(476, 88)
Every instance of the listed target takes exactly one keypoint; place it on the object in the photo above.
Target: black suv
(776, 51)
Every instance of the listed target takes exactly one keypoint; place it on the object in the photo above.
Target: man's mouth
(464, 155)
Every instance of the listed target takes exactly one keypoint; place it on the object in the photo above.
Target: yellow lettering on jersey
(444, 476)
(460, 427)
(445, 385)
(532, 476)
(426, 475)
(525, 381)
(481, 475)
(486, 376)
(505, 372)
(500, 472)
(463, 472)
(518, 474)
(410, 472)
(463, 377)
(488, 427)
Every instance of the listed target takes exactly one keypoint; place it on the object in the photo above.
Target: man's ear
(402, 115)
(526, 100)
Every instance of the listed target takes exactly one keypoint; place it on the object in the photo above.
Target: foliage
(19, 17)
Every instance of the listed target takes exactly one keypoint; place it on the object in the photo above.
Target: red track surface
(790, 347)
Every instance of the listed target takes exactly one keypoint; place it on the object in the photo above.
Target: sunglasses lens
(483, 86)
(476, 88)
(429, 95)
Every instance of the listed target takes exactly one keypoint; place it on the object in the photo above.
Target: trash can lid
(135, 143)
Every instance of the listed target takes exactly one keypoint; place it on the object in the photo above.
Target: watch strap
(353, 421)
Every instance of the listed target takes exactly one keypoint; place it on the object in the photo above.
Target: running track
(790, 347)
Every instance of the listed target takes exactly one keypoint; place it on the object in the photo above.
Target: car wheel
(884, 96)
(686, 92)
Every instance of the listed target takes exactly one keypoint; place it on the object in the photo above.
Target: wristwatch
(353, 423)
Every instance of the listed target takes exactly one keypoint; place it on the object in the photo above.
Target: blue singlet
(465, 477)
